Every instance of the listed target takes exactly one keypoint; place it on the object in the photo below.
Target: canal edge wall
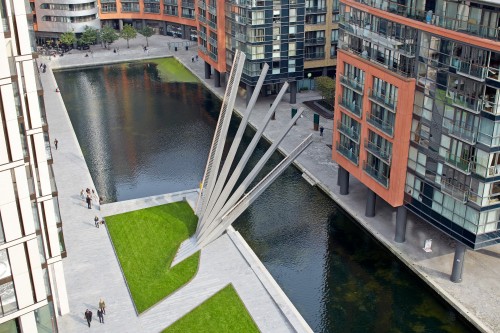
(274, 290)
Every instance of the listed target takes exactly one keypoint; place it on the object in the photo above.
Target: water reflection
(154, 138)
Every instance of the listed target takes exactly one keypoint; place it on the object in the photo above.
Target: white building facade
(32, 285)
(56, 16)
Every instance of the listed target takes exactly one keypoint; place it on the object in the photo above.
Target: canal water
(142, 135)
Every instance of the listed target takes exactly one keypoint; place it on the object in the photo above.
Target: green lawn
(146, 241)
(223, 312)
(173, 71)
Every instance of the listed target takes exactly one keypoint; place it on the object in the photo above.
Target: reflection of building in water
(32, 285)
(419, 80)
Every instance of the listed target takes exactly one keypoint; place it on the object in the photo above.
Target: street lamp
(309, 77)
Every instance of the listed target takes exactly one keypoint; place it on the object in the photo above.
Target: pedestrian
(82, 195)
(55, 143)
(41, 66)
(88, 316)
(321, 129)
(192, 59)
(114, 50)
(44, 67)
(96, 221)
(102, 306)
(100, 201)
(196, 56)
(57, 89)
(89, 201)
(101, 317)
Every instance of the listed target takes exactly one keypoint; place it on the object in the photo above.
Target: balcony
(212, 41)
(316, 10)
(315, 41)
(384, 154)
(212, 55)
(385, 101)
(459, 23)
(459, 163)
(352, 107)
(461, 131)
(202, 18)
(381, 124)
(469, 70)
(188, 4)
(212, 10)
(352, 82)
(459, 192)
(376, 174)
(349, 153)
(314, 56)
(202, 4)
(351, 132)
(212, 24)
(465, 102)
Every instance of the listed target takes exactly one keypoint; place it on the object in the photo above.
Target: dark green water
(142, 137)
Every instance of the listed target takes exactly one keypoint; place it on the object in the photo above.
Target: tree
(89, 35)
(147, 32)
(326, 87)
(128, 32)
(68, 38)
(108, 36)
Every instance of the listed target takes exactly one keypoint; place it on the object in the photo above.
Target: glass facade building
(32, 284)
(418, 110)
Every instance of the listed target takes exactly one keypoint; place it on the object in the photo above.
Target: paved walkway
(477, 297)
(92, 270)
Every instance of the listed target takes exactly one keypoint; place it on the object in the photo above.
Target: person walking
(102, 306)
(82, 195)
(55, 143)
(96, 221)
(89, 201)
(321, 129)
(101, 316)
(88, 316)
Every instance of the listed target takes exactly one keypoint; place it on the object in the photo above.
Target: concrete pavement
(477, 297)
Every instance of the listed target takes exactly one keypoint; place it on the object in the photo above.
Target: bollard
(175, 49)
(294, 112)
(316, 121)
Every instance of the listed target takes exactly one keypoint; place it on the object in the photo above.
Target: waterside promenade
(92, 270)
(477, 297)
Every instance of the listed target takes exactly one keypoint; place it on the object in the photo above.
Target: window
(276, 50)
(292, 49)
(276, 16)
(257, 35)
(293, 15)
(256, 52)
(276, 67)
(335, 36)
(291, 66)
(292, 30)
(258, 17)
(276, 33)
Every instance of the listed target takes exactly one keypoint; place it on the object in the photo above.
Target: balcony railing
(351, 132)
(385, 101)
(465, 102)
(352, 82)
(202, 18)
(456, 23)
(188, 4)
(381, 124)
(315, 10)
(212, 41)
(376, 174)
(464, 165)
(212, 55)
(470, 70)
(212, 10)
(314, 56)
(348, 153)
(384, 154)
(460, 192)
(315, 41)
(202, 4)
(212, 24)
(461, 130)
(353, 108)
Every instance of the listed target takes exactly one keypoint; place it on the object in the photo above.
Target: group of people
(89, 196)
(97, 222)
(43, 67)
(194, 58)
(101, 311)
